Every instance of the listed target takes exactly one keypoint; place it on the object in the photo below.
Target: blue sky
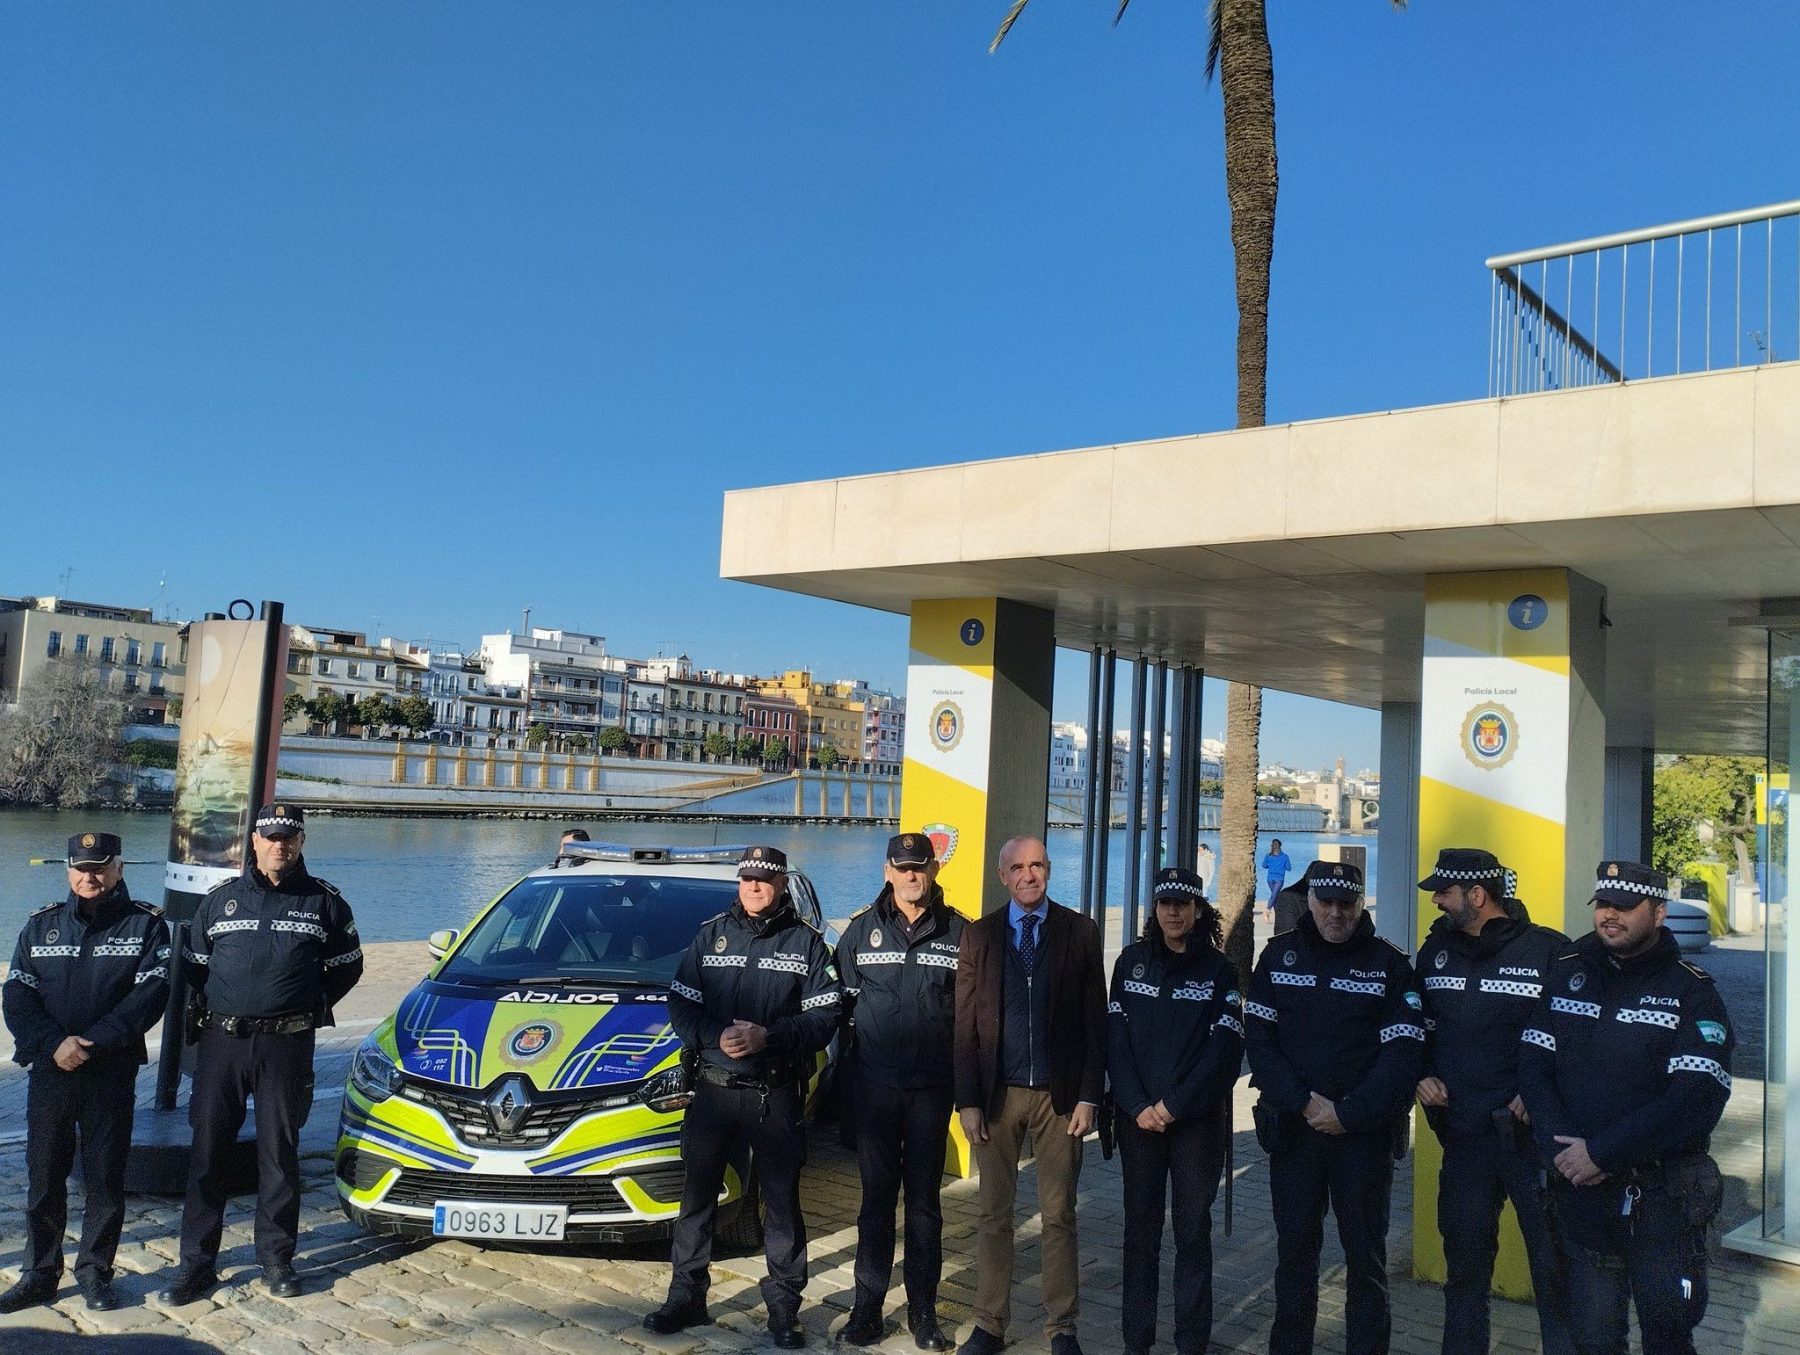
(413, 315)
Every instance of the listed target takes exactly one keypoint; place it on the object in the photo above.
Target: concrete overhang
(1294, 555)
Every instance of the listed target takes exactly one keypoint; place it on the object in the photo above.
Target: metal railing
(1693, 296)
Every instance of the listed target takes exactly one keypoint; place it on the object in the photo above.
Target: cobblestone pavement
(368, 1295)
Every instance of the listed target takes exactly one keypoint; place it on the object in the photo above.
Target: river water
(407, 877)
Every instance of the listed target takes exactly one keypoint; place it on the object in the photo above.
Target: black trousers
(1354, 1173)
(278, 1071)
(95, 1105)
(1656, 1260)
(1179, 1167)
(719, 1119)
(901, 1138)
(1480, 1173)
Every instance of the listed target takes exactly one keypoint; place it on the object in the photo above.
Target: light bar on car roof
(623, 851)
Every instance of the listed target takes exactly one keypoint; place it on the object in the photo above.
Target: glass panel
(1779, 1202)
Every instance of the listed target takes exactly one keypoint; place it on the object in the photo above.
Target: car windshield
(588, 927)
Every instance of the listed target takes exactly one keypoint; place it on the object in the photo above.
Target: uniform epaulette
(327, 886)
(1289, 932)
(716, 917)
(1572, 955)
(1396, 949)
(46, 907)
(862, 912)
(149, 908)
(1696, 971)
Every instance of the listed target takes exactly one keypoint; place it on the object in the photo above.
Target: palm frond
(1123, 3)
(1012, 17)
(1215, 38)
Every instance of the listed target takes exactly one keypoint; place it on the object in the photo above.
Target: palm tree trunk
(1247, 81)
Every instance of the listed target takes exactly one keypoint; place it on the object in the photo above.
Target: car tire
(742, 1229)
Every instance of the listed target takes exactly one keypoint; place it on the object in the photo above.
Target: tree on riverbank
(1703, 806)
(59, 744)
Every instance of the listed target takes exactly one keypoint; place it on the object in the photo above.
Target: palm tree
(1238, 52)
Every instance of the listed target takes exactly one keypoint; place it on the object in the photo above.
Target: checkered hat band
(1333, 882)
(1493, 874)
(1178, 887)
(280, 821)
(757, 863)
(1629, 887)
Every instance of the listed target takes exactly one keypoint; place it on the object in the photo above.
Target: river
(407, 877)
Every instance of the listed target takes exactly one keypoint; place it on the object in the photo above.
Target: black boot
(864, 1327)
(677, 1315)
(922, 1322)
(190, 1288)
(99, 1292)
(31, 1290)
(784, 1331)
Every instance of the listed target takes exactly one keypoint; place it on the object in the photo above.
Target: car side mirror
(439, 942)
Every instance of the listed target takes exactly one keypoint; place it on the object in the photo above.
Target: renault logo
(509, 1105)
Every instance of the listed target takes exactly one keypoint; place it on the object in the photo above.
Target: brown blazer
(1070, 957)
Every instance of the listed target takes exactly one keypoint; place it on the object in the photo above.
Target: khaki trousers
(1026, 1115)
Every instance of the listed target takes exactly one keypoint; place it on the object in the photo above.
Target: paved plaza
(368, 1295)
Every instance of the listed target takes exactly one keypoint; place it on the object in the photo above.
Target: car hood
(558, 1038)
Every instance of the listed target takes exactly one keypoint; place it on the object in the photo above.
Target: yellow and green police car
(531, 1088)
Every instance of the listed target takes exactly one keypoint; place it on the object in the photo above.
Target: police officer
(270, 953)
(88, 979)
(754, 999)
(1626, 1069)
(897, 962)
(1336, 1043)
(1482, 970)
(1175, 1041)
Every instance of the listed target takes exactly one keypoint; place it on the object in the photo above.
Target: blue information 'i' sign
(1528, 611)
(972, 631)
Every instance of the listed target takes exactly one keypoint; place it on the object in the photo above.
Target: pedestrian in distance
(1336, 1042)
(897, 962)
(1030, 1063)
(1276, 868)
(1481, 972)
(89, 978)
(754, 1000)
(1625, 1070)
(1175, 1042)
(269, 954)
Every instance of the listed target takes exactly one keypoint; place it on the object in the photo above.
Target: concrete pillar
(487, 768)
(399, 763)
(1628, 781)
(799, 794)
(1396, 884)
(461, 775)
(431, 764)
(1512, 741)
(848, 811)
(977, 766)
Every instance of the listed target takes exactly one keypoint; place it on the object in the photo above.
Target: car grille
(360, 1170)
(551, 1112)
(583, 1194)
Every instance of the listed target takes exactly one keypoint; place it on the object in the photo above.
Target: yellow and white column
(1512, 742)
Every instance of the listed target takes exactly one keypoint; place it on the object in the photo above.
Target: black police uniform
(103, 977)
(900, 999)
(1175, 1034)
(775, 971)
(271, 961)
(1634, 1056)
(1479, 993)
(1341, 1020)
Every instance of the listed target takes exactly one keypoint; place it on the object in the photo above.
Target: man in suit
(1030, 1063)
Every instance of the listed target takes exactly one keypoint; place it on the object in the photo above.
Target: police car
(531, 1088)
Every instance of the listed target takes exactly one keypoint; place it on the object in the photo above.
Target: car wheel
(742, 1229)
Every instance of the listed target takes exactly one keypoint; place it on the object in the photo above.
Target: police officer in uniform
(1482, 972)
(1626, 1070)
(1336, 1043)
(754, 1000)
(270, 954)
(1175, 1041)
(897, 962)
(88, 979)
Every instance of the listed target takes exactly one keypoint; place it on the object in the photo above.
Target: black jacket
(105, 980)
(1480, 992)
(900, 992)
(261, 949)
(774, 970)
(1174, 1029)
(1341, 1019)
(1634, 1057)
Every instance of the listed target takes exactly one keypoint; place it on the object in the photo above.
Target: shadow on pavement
(24, 1341)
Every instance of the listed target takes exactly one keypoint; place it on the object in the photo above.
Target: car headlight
(374, 1074)
(668, 1090)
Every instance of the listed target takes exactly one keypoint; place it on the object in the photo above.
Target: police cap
(280, 820)
(1464, 866)
(1626, 884)
(911, 850)
(1172, 882)
(94, 849)
(763, 863)
(1335, 881)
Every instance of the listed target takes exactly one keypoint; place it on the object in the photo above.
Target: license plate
(511, 1222)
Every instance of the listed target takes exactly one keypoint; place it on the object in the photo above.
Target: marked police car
(531, 1088)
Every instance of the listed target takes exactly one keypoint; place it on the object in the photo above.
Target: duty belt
(292, 1024)
(724, 1077)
